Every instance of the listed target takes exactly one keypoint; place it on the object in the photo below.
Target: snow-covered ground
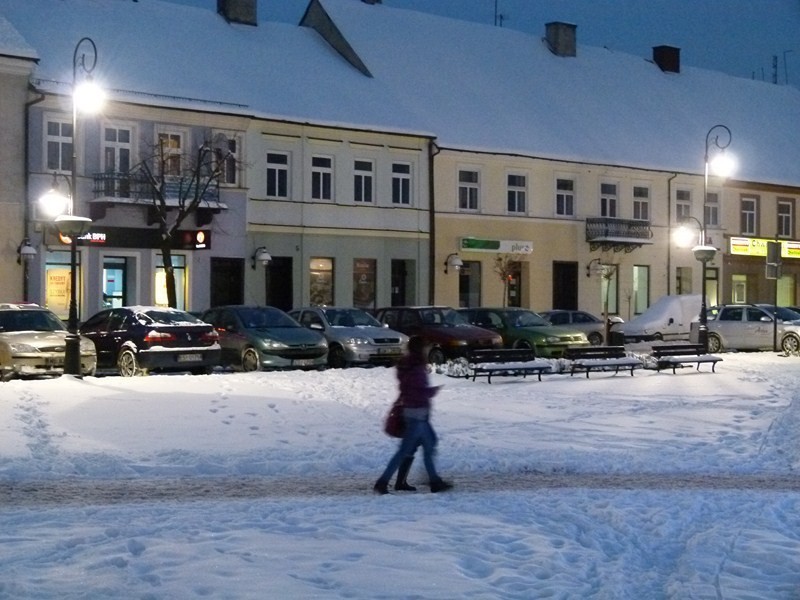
(259, 486)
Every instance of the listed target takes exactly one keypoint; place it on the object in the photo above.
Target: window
(469, 284)
(565, 197)
(641, 203)
(321, 178)
(364, 270)
(749, 215)
(468, 182)
(321, 282)
(170, 146)
(362, 181)
(609, 283)
(711, 209)
(59, 146)
(785, 217)
(401, 183)
(277, 175)
(641, 288)
(608, 200)
(683, 205)
(516, 193)
(226, 156)
(683, 280)
(181, 281)
(116, 161)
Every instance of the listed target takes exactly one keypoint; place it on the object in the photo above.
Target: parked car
(448, 333)
(254, 338)
(593, 327)
(33, 342)
(134, 340)
(354, 336)
(669, 318)
(522, 328)
(752, 327)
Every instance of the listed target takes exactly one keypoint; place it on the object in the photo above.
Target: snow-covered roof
(472, 86)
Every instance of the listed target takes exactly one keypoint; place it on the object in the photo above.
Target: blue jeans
(418, 433)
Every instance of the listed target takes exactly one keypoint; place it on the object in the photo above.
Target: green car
(522, 328)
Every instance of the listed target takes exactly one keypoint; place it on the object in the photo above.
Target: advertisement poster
(58, 291)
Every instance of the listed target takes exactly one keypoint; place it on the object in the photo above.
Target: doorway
(565, 285)
(115, 281)
(227, 281)
(279, 291)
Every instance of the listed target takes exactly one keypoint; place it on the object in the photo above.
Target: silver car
(33, 342)
(354, 336)
(580, 320)
(753, 327)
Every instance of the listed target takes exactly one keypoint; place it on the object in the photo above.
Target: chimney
(668, 58)
(238, 11)
(561, 38)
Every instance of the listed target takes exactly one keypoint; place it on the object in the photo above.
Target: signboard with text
(743, 246)
(503, 246)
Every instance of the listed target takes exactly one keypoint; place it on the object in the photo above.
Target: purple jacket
(415, 390)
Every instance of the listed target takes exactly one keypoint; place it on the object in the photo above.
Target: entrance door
(565, 285)
(227, 281)
(115, 281)
(279, 290)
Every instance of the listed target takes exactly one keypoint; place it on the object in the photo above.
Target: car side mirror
(317, 326)
(671, 321)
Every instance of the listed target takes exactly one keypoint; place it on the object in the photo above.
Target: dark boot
(381, 487)
(440, 485)
(400, 484)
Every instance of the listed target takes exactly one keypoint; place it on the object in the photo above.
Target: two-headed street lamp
(86, 97)
(722, 164)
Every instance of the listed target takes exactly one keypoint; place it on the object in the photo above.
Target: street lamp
(718, 136)
(86, 97)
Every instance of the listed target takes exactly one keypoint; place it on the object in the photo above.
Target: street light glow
(88, 97)
(723, 164)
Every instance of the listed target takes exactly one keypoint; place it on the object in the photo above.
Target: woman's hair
(416, 345)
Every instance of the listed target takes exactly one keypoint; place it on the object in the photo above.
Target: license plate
(189, 357)
(388, 350)
(303, 362)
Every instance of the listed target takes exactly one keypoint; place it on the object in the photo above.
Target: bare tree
(178, 184)
(506, 266)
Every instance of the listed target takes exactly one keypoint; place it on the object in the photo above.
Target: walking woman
(415, 394)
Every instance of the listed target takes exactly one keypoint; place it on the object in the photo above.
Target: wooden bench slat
(600, 357)
(677, 355)
(505, 362)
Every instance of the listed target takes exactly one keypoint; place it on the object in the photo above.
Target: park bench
(602, 358)
(505, 362)
(678, 355)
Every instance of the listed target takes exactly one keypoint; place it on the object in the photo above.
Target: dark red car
(448, 333)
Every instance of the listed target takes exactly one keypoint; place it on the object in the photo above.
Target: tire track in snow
(125, 491)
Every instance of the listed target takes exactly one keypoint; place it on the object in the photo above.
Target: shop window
(364, 283)
(321, 282)
(57, 283)
(160, 289)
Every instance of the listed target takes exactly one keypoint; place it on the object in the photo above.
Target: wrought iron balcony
(617, 234)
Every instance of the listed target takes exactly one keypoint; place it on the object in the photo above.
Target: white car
(753, 327)
(354, 336)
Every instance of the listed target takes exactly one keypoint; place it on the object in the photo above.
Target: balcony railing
(617, 234)
(133, 188)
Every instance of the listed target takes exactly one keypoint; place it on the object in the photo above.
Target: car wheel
(250, 360)
(127, 364)
(436, 356)
(658, 337)
(336, 358)
(714, 343)
(523, 345)
(790, 344)
(595, 339)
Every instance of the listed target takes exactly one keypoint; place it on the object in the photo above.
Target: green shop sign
(502, 246)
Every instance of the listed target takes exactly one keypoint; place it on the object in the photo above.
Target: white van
(669, 318)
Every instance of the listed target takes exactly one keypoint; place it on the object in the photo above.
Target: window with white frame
(226, 159)
(711, 209)
(468, 189)
(59, 146)
(516, 193)
(749, 215)
(321, 178)
(785, 217)
(401, 183)
(641, 203)
(608, 200)
(170, 144)
(277, 175)
(362, 181)
(116, 160)
(683, 205)
(565, 197)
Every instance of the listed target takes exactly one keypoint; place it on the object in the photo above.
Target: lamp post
(704, 252)
(87, 97)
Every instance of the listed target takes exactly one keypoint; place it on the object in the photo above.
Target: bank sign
(502, 246)
(743, 246)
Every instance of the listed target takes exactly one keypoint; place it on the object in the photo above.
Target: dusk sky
(746, 38)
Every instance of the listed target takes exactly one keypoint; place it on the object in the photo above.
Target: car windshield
(442, 316)
(261, 318)
(167, 317)
(29, 320)
(349, 317)
(783, 313)
(525, 318)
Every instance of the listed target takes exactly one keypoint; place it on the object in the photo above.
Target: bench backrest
(502, 355)
(678, 350)
(595, 352)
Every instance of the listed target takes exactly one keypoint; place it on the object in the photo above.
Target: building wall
(13, 96)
